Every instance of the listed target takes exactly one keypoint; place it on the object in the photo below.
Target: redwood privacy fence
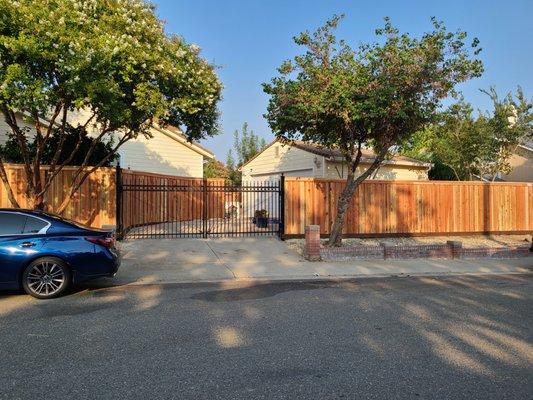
(378, 208)
(410, 207)
(97, 201)
(94, 204)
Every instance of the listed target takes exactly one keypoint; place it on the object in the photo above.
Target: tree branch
(62, 138)
(89, 120)
(53, 172)
(52, 121)
(375, 164)
(77, 181)
(54, 169)
(20, 137)
(39, 147)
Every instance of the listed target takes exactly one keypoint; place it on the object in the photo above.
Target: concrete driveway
(189, 260)
(267, 258)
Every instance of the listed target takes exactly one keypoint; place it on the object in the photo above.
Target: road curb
(317, 279)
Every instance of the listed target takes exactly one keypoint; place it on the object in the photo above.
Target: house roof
(367, 154)
(173, 133)
(367, 157)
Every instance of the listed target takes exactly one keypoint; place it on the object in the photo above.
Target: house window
(276, 151)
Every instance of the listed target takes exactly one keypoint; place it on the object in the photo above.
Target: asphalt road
(396, 338)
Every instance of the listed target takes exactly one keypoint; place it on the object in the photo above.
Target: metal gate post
(119, 191)
(204, 211)
(281, 196)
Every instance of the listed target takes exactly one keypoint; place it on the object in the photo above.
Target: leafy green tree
(419, 146)
(375, 95)
(234, 175)
(107, 58)
(246, 145)
(11, 153)
(215, 169)
(500, 132)
(471, 145)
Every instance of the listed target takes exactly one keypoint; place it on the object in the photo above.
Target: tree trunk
(37, 198)
(36, 202)
(335, 236)
(9, 190)
(84, 172)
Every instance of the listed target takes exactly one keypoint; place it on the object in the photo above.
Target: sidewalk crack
(220, 260)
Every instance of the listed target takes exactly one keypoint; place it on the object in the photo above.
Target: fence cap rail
(135, 173)
(405, 182)
(65, 168)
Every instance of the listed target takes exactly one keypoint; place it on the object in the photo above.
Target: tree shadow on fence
(94, 204)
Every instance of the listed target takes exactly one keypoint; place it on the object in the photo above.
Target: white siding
(5, 128)
(268, 166)
(291, 161)
(337, 170)
(522, 164)
(161, 154)
(277, 159)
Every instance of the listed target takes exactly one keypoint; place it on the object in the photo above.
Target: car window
(65, 220)
(34, 225)
(11, 224)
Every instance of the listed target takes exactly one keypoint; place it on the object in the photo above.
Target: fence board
(411, 207)
(378, 207)
(93, 204)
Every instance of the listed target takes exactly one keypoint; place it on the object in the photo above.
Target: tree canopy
(215, 169)
(479, 145)
(10, 151)
(374, 95)
(246, 145)
(419, 146)
(109, 58)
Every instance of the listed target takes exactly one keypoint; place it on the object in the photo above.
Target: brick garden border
(452, 249)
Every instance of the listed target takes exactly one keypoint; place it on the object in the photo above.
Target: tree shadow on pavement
(257, 291)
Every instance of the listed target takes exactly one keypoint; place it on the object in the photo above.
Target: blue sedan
(44, 254)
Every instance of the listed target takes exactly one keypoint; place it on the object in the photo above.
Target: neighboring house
(304, 159)
(522, 163)
(166, 152)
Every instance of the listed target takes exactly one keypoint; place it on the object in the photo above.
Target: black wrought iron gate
(155, 207)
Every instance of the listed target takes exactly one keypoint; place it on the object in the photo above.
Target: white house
(522, 163)
(303, 159)
(166, 152)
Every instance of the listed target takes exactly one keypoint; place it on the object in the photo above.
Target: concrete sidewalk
(207, 260)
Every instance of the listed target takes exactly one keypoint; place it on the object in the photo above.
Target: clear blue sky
(248, 40)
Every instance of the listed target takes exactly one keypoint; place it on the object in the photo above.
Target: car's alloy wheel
(46, 278)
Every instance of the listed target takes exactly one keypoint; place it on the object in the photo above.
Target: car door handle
(27, 244)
